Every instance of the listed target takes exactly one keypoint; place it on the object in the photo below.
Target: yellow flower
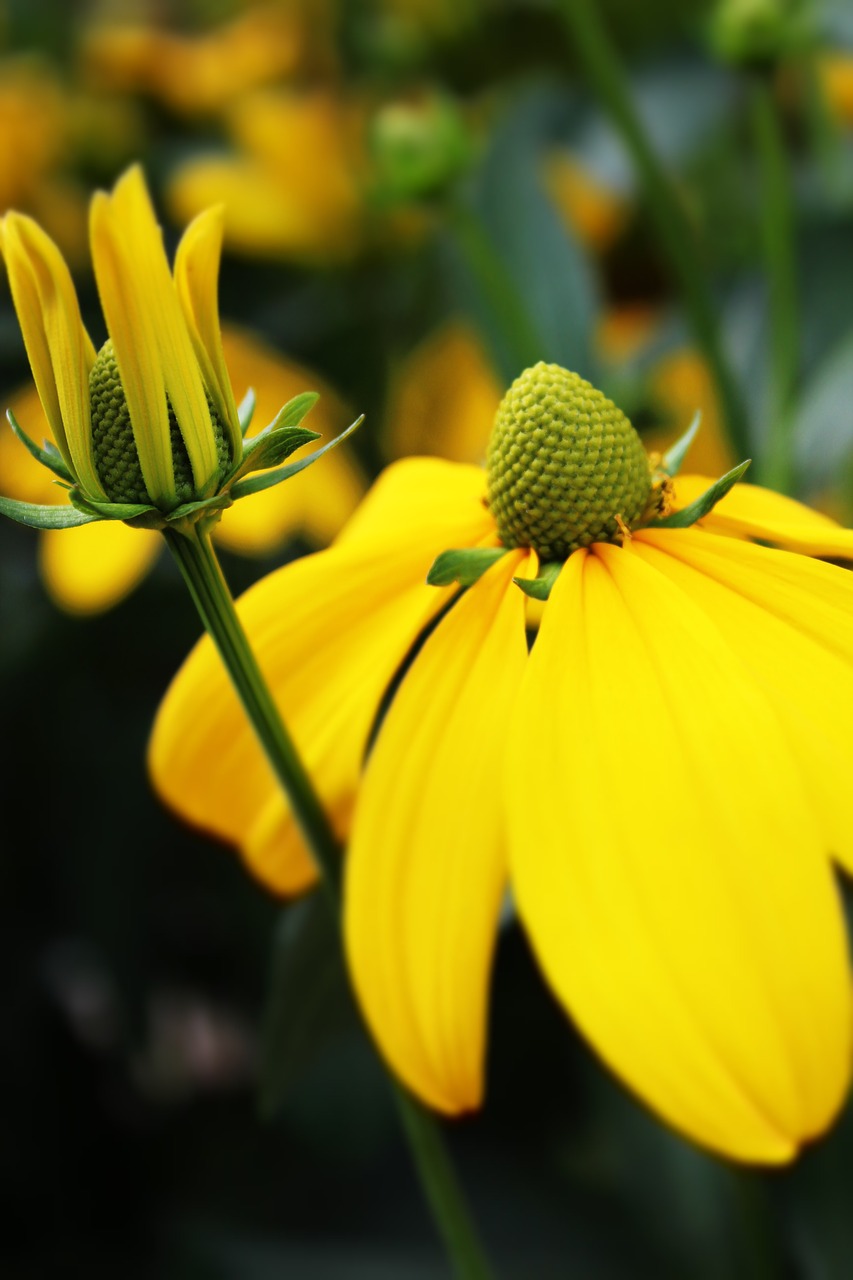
(443, 397)
(659, 781)
(596, 212)
(835, 71)
(203, 73)
(34, 145)
(292, 187)
(103, 562)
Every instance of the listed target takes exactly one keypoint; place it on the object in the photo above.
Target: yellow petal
(92, 568)
(153, 348)
(426, 867)
(750, 511)
(59, 349)
(329, 632)
(790, 620)
(196, 277)
(671, 874)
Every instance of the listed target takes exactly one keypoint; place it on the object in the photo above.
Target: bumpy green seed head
(116, 456)
(563, 463)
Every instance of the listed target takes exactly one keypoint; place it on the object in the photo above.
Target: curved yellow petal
(425, 497)
(196, 278)
(329, 632)
(58, 347)
(426, 868)
(670, 872)
(790, 620)
(750, 511)
(153, 348)
(92, 568)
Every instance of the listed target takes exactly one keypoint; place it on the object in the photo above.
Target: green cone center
(564, 465)
(116, 455)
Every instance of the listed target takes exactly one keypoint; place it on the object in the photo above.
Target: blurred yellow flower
(34, 146)
(92, 568)
(595, 212)
(202, 74)
(292, 186)
(443, 397)
(836, 76)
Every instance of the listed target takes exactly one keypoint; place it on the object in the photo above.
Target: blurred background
(422, 198)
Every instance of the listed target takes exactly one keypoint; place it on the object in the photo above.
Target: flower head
(146, 429)
(660, 782)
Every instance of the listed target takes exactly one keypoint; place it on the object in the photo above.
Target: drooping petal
(750, 511)
(196, 277)
(153, 348)
(426, 867)
(790, 620)
(329, 632)
(671, 873)
(58, 347)
(96, 567)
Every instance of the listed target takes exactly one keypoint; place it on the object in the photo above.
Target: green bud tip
(116, 456)
(565, 467)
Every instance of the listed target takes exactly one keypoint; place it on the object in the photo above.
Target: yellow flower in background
(292, 186)
(660, 781)
(201, 74)
(97, 565)
(443, 397)
(34, 145)
(835, 71)
(596, 213)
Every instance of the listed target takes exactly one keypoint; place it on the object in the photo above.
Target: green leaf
(540, 588)
(465, 566)
(309, 1003)
(37, 516)
(708, 500)
(266, 481)
(49, 456)
(246, 410)
(675, 455)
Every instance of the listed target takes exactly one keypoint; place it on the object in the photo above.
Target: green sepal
(219, 502)
(703, 504)
(270, 450)
(539, 588)
(108, 510)
(49, 456)
(246, 410)
(465, 566)
(39, 516)
(675, 455)
(255, 484)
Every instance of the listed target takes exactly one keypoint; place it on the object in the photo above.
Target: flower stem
(203, 575)
(677, 240)
(777, 238)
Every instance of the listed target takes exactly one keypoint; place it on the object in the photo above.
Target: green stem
(583, 20)
(777, 240)
(203, 575)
